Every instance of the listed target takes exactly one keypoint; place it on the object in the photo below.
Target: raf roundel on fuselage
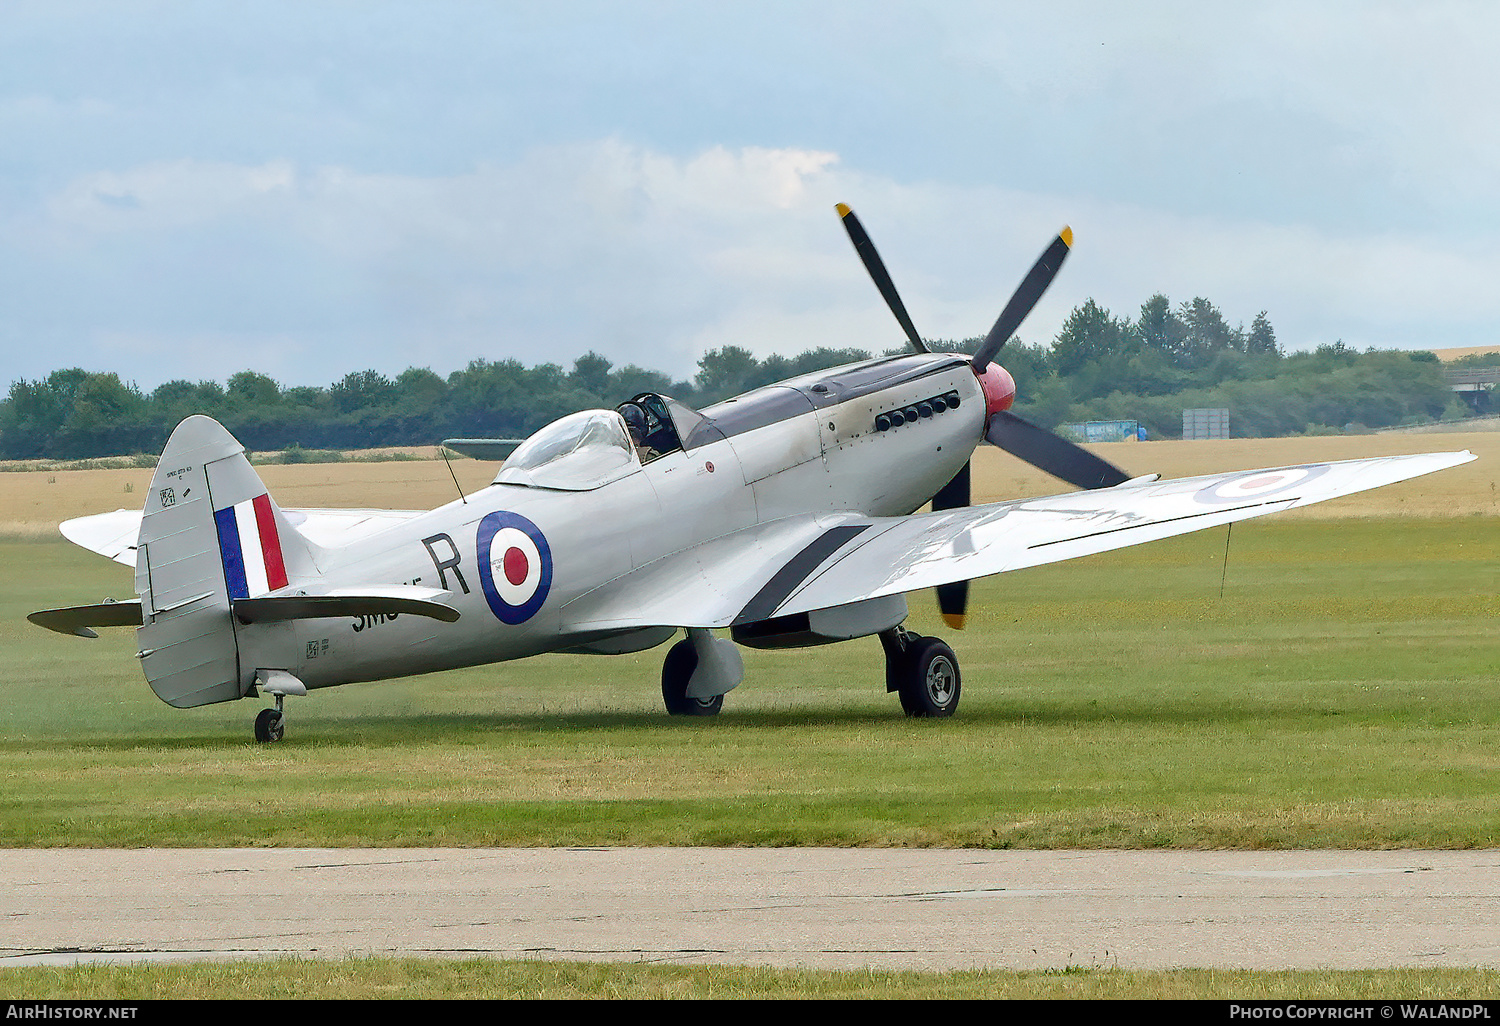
(515, 566)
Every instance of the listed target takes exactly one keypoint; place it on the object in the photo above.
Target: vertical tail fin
(210, 532)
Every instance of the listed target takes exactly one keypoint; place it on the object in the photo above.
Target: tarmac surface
(828, 908)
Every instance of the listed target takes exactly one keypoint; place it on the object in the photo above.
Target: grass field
(1341, 692)
(429, 979)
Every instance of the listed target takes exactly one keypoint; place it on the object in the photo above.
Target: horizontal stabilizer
(376, 602)
(483, 448)
(109, 534)
(78, 619)
(115, 534)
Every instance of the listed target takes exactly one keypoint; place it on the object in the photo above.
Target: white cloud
(193, 268)
(168, 195)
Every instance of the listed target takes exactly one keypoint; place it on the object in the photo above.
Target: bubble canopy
(580, 452)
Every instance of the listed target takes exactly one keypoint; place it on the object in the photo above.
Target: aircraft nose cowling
(999, 389)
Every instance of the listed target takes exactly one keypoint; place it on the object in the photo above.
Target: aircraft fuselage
(511, 557)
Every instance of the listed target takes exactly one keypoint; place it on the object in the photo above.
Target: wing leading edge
(813, 562)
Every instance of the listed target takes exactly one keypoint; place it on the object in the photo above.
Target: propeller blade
(953, 599)
(1026, 295)
(1052, 453)
(953, 603)
(866, 250)
(954, 494)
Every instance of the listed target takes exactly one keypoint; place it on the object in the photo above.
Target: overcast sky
(309, 188)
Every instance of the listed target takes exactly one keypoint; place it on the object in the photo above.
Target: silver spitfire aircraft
(785, 515)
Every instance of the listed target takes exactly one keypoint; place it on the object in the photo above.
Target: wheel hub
(941, 681)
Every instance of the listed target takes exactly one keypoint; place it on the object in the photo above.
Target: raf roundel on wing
(515, 566)
(1259, 484)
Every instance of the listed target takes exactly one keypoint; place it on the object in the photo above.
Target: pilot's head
(635, 422)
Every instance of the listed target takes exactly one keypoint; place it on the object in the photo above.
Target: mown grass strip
(429, 979)
(1342, 694)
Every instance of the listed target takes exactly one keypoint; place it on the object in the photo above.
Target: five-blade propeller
(1036, 445)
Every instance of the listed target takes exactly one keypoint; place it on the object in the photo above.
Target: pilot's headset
(635, 422)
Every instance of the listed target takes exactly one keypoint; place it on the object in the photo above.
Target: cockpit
(654, 423)
(587, 450)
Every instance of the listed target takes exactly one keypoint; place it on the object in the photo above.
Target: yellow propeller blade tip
(1067, 236)
(954, 620)
(842, 208)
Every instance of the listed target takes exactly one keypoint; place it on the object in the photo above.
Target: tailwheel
(923, 671)
(676, 672)
(269, 725)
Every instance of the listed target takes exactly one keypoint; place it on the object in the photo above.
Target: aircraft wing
(114, 534)
(813, 562)
(709, 584)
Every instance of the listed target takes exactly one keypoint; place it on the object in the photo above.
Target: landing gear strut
(923, 671)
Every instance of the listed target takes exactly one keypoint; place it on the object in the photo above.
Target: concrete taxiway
(830, 908)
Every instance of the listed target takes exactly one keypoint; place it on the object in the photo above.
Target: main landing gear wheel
(923, 671)
(269, 725)
(678, 669)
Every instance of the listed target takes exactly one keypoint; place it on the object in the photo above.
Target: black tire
(269, 726)
(678, 669)
(929, 679)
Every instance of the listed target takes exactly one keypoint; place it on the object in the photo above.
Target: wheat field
(32, 503)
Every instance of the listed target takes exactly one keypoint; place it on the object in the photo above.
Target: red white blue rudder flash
(515, 566)
(250, 546)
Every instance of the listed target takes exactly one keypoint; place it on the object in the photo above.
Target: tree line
(1099, 367)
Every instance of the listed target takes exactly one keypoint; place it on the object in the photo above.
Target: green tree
(418, 390)
(631, 380)
(362, 389)
(1160, 329)
(724, 372)
(1091, 335)
(105, 417)
(250, 387)
(1050, 405)
(1262, 338)
(591, 373)
(1206, 332)
(487, 398)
